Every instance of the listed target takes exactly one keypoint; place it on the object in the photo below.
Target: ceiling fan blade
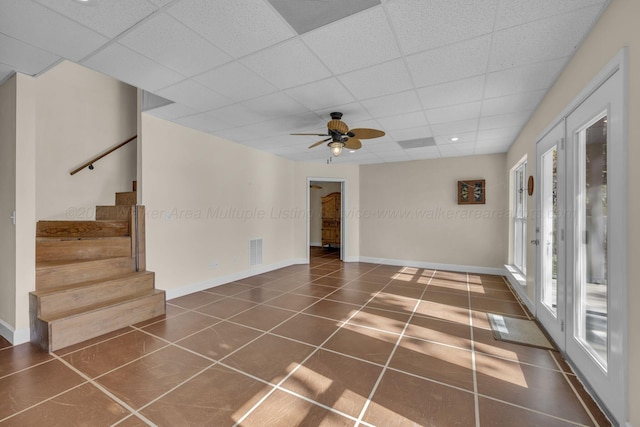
(319, 142)
(353, 144)
(312, 134)
(364, 133)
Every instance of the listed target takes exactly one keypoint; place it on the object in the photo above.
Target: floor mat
(519, 331)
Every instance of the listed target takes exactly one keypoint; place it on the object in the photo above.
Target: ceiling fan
(339, 135)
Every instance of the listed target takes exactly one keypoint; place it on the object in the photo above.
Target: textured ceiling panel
(49, 30)
(397, 103)
(307, 15)
(355, 42)
(287, 65)
(457, 92)
(378, 80)
(247, 84)
(109, 18)
(523, 79)
(170, 43)
(454, 113)
(422, 25)
(132, 68)
(194, 95)
(321, 94)
(518, 12)
(237, 27)
(21, 56)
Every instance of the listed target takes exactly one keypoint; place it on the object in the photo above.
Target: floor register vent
(255, 252)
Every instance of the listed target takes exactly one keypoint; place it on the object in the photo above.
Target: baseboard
(14, 336)
(217, 281)
(518, 284)
(435, 266)
(317, 244)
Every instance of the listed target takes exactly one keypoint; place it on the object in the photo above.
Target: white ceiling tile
(389, 105)
(237, 115)
(454, 113)
(494, 149)
(422, 25)
(412, 133)
(551, 38)
(170, 43)
(504, 120)
(355, 42)
(275, 105)
(403, 121)
(238, 27)
(23, 57)
(523, 79)
(321, 94)
(172, 111)
(463, 138)
(109, 18)
(455, 62)
(237, 134)
(465, 148)
(39, 26)
(245, 84)
(512, 103)
(378, 80)
(124, 64)
(452, 93)
(204, 122)
(161, 3)
(452, 129)
(194, 95)
(287, 65)
(517, 12)
(509, 133)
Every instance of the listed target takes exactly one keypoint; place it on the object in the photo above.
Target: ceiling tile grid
(254, 71)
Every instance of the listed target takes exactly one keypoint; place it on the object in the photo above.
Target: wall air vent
(255, 252)
(417, 143)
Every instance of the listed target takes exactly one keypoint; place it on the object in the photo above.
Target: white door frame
(343, 204)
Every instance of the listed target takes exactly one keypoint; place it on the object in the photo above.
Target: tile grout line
(386, 366)
(584, 405)
(319, 347)
(476, 400)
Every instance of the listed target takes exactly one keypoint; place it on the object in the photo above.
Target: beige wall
(347, 173)
(617, 28)
(7, 206)
(80, 114)
(315, 209)
(409, 212)
(205, 198)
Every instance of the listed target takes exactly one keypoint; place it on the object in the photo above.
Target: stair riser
(69, 274)
(129, 198)
(53, 304)
(72, 330)
(81, 249)
(111, 213)
(82, 228)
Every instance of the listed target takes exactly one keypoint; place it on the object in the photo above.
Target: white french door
(581, 229)
(550, 301)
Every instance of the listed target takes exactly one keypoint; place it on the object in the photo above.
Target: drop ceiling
(253, 71)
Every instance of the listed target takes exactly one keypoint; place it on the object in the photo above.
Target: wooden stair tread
(104, 305)
(76, 286)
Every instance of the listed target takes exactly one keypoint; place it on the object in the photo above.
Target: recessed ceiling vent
(305, 16)
(417, 143)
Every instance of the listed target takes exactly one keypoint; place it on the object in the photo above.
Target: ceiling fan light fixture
(336, 147)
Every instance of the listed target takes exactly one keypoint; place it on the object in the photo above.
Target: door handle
(535, 242)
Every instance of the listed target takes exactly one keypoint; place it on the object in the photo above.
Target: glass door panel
(592, 254)
(549, 230)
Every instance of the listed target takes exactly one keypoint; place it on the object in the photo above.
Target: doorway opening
(325, 224)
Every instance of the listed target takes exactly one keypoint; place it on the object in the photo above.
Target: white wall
(205, 198)
(80, 114)
(618, 27)
(409, 212)
(315, 209)
(8, 97)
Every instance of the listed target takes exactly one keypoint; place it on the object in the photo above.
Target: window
(520, 217)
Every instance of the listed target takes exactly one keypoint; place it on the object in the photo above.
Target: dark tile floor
(325, 344)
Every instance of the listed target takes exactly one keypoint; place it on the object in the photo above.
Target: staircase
(91, 276)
